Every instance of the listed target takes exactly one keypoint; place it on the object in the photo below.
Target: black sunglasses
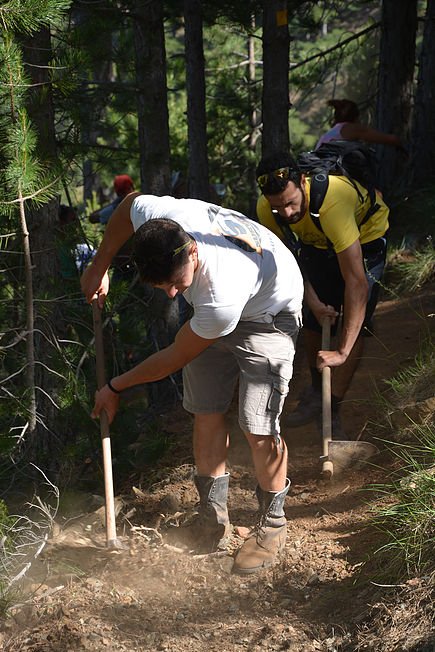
(281, 174)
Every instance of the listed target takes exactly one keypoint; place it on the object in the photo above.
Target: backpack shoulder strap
(318, 188)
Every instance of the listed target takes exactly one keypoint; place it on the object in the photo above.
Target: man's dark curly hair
(160, 249)
(275, 161)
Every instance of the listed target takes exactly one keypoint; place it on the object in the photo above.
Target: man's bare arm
(358, 131)
(355, 301)
(186, 347)
(118, 230)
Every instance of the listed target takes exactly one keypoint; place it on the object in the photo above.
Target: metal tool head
(344, 454)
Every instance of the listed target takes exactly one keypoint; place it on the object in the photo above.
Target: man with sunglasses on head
(342, 263)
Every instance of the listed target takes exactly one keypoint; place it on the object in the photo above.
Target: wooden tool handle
(104, 430)
(327, 467)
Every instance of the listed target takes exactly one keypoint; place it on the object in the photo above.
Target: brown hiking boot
(209, 529)
(267, 539)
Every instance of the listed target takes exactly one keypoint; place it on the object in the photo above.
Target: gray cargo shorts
(259, 358)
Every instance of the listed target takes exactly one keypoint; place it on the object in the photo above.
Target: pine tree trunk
(275, 102)
(423, 152)
(396, 73)
(198, 180)
(153, 126)
(153, 120)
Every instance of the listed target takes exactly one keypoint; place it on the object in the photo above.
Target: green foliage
(23, 173)
(95, 96)
(27, 183)
(412, 269)
(90, 100)
(407, 518)
(405, 404)
(415, 382)
(6, 521)
(232, 97)
(411, 254)
(28, 16)
(319, 70)
(406, 513)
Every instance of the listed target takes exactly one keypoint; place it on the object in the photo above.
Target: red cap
(123, 184)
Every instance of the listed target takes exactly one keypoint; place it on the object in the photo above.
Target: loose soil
(323, 594)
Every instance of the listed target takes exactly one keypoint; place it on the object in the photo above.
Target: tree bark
(396, 74)
(153, 119)
(275, 101)
(423, 151)
(198, 179)
(153, 127)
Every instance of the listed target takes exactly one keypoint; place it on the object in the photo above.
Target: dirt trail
(151, 596)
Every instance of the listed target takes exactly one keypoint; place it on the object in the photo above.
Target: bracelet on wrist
(110, 386)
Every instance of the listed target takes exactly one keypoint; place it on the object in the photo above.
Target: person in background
(123, 186)
(122, 268)
(342, 265)
(346, 126)
(246, 290)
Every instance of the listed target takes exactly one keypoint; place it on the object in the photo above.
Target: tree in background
(232, 94)
(153, 140)
(423, 132)
(198, 180)
(151, 96)
(396, 88)
(94, 77)
(275, 99)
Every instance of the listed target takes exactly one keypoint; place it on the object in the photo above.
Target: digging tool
(111, 539)
(337, 455)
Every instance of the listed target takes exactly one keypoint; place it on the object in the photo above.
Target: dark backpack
(351, 159)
